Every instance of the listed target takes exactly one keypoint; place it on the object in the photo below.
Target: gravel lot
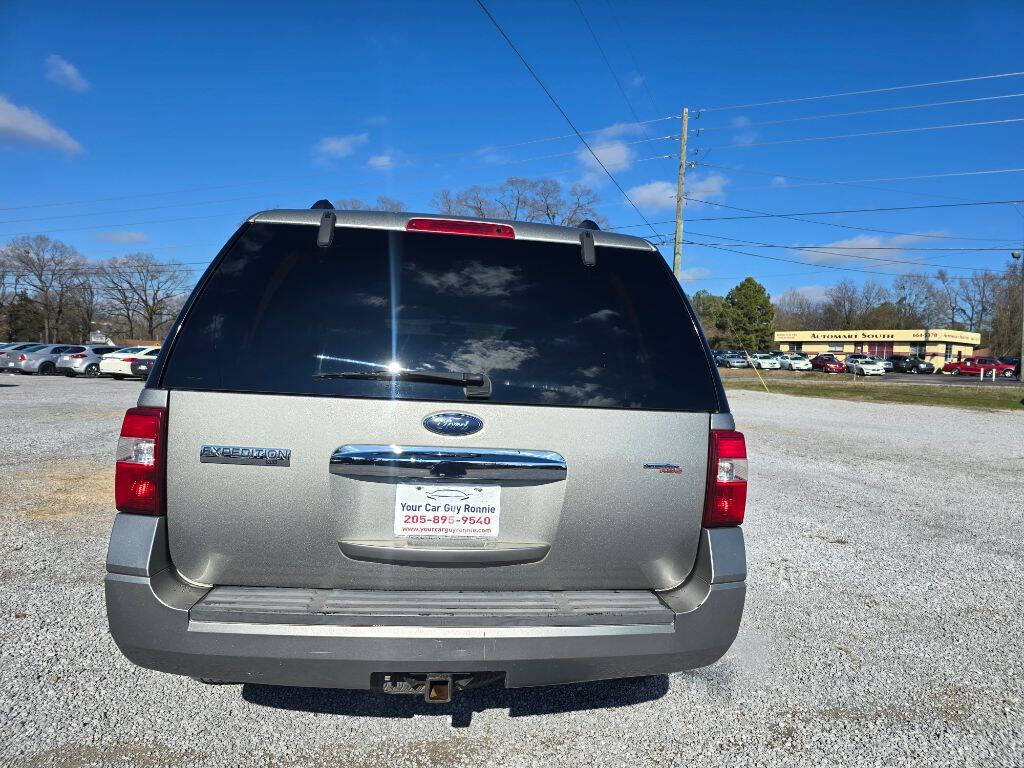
(883, 622)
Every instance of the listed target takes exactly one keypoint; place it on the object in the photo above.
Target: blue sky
(177, 120)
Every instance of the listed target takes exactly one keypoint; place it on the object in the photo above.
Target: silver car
(13, 356)
(42, 360)
(83, 359)
(485, 459)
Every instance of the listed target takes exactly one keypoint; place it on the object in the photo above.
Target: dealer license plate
(447, 511)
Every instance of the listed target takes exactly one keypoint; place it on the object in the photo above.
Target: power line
(805, 263)
(607, 63)
(889, 132)
(754, 214)
(864, 92)
(797, 217)
(858, 112)
(857, 182)
(564, 114)
(629, 49)
(813, 249)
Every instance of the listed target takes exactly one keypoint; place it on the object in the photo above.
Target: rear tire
(92, 371)
(69, 374)
(955, 372)
(47, 369)
(1009, 375)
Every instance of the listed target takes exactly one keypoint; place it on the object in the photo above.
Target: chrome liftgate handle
(446, 463)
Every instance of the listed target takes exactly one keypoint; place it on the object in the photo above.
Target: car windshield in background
(281, 315)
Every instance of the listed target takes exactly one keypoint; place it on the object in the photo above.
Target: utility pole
(677, 249)
(1017, 257)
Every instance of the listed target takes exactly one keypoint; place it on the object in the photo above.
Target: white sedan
(867, 366)
(795, 363)
(119, 364)
(764, 361)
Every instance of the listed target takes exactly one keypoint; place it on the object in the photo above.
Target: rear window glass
(127, 350)
(103, 350)
(72, 350)
(546, 329)
(32, 348)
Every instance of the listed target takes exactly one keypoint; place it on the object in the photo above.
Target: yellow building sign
(914, 334)
(936, 345)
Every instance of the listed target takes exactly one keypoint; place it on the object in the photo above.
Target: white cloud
(474, 279)
(337, 147)
(20, 125)
(488, 355)
(707, 187)
(62, 72)
(601, 315)
(859, 246)
(121, 237)
(779, 181)
(653, 196)
(637, 80)
(692, 274)
(744, 136)
(661, 195)
(378, 120)
(614, 155)
(381, 162)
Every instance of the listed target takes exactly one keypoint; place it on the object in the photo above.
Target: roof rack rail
(322, 205)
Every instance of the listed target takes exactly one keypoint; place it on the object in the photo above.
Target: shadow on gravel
(520, 702)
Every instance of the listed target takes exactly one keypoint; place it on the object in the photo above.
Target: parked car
(118, 365)
(865, 365)
(764, 360)
(400, 522)
(828, 363)
(794, 362)
(142, 364)
(910, 364)
(733, 360)
(975, 366)
(42, 360)
(83, 360)
(12, 357)
(884, 362)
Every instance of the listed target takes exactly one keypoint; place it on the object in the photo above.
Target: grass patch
(68, 488)
(873, 391)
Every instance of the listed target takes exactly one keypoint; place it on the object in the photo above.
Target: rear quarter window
(548, 330)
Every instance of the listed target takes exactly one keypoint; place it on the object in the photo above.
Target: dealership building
(935, 345)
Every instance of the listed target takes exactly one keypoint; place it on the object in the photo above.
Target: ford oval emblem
(453, 424)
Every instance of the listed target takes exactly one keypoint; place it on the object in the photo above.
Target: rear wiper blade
(477, 385)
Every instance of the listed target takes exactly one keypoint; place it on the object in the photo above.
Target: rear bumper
(153, 621)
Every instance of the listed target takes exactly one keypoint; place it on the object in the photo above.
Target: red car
(973, 366)
(828, 364)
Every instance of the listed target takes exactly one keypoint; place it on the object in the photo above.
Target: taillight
(79, 356)
(140, 470)
(21, 358)
(726, 495)
(455, 227)
(128, 359)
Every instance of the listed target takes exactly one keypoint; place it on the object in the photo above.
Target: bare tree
(155, 286)
(50, 271)
(977, 294)
(115, 284)
(521, 199)
(383, 204)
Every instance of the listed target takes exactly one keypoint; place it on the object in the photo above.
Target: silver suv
(494, 451)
